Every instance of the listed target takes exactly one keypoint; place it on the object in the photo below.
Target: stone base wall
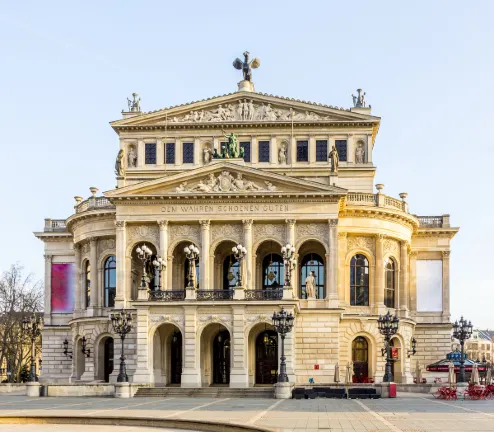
(56, 366)
(433, 343)
(79, 390)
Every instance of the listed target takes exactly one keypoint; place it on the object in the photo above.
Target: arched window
(273, 271)
(390, 283)
(359, 281)
(110, 281)
(312, 263)
(230, 272)
(87, 283)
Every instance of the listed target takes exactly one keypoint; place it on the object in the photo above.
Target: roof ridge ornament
(359, 100)
(135, 104)
(246, 67)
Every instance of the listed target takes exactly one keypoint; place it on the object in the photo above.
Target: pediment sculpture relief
(225, 182)
(246, 110)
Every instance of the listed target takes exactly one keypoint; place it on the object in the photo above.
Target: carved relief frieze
(362, 242)
(258, 318)
(392, 247)
(106, 244)
(173, 319)
(275, 231)
(191, 232)
(312, 230)
(220, 319)
(225, 182)
(227, 231)
(143, 232)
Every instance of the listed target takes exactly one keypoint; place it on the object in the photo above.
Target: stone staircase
(207, 392)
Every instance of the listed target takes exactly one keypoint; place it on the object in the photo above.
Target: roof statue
(246, 66)
(135, 104)
(359, 100)
(232, 148)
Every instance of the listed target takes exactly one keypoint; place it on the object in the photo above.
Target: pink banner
(62, 288)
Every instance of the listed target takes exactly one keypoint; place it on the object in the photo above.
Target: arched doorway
(108, 356)
(311, 259)
(221, 358)
(267, 357)
(360, 359)
(167, 355)
(176, 358)
(215, 355)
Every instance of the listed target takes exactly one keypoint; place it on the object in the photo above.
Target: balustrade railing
(393, 202)
(430, 221)
(167, 295)
(203, 295)
(264, 294)
(375, 200)
(93, 203)
(55, 225)
(361, 198)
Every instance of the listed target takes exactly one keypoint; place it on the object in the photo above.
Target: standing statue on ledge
(359, 100)
(360, 153)
(246, 66)
(310, 286)
(232, 149)
(334, 158)
(282, 154)
(119, 170)
(135, 104)
(132, 158)
(208, 155)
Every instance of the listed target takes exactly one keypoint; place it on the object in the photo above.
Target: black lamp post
(192, 254)
(283, 323)
(388, 326)
(462, 331)
(66, 351)
(413, 349)
(159, 264)
(85, 351)
(33, 326)
(289, 261)
(239, 252)
(122, 324)
(144, 254)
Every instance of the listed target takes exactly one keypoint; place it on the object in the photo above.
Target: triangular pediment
(245, 108)
(224, 178)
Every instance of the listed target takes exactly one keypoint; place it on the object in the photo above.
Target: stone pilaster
(47, 314)
(342, 267)
(239, 373)
(160, 152)
(403, 292)
(332, 268)
(378, 302)
(141, 152)
(191, 373)
(169, 274)
(413, 281)
(143, 372)
(93, 262)
(446, 296)
(77, 280)
(290, 238)
(163, 227)
(121, 239)
(204, 282)
(248, 275)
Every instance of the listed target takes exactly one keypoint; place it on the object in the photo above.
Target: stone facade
(171, 194)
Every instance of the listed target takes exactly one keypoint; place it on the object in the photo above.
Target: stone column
(293, 151)
(249, 274)
(290, 238)
(403, 296)
(332, 268)
(169, 274)
(47, 312)
(379, 275)
(191, 372)
(239, 373)
(446, 309)
(121, 240)
(204, 257)
(163, 227)
(342, 268)
(93, 261)
(144, 368)
(77, 280)
(413, 281)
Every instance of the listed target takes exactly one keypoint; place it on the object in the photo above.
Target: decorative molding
(205, 224)
(317, 230)
(178, 232)
(85, 248)
(225, 182)
(276, 231)
(120, 224)
(179, 320)
(227, 231)
(333, 222)
(107, 244)
(258, 318)
(226, 320)
(362, 242)
(391, 246)
(342, 235)
(446, 254)
(48, 257)
(143, 232)
(290, 222)
(163, 223)
(247, 223)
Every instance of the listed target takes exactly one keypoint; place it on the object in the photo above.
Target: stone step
(211, 392)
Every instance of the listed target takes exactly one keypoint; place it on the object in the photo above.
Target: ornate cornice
(381, 213)
(163, 223)
(75, 219)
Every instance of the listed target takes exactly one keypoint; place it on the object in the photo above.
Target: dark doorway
(360, 358)
(267, 357)
(176, 358)
(221, 358)
(108, 359)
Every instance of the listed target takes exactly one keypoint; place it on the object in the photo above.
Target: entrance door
(108, 359)
(221, 358)
(360, 358)
(267, 357)
(176, 358)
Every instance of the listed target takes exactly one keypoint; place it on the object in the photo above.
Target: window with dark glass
(150, 153)
(360, 359)
(263, 151)
(87, 283)
(321, 150)
(231, 270)
(170, 153)
(246, 147)
(312, 263)
(390, 281)
(188, 152)
(359, 281)
(341, 149)
(273, 271)
(302, 151)
(110, 281)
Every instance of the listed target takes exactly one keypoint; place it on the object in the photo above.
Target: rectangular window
(150, 156)
(188, 152)
(246, 147)
(170, 153)
(341, 149)
(429, 285)
(321, 150)
(263, 151)
(302, 151)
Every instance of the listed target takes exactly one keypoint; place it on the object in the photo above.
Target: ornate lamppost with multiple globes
(192, 254)
(160, 265)
(283, 323)
(33, 327)
(239, 252)
(388, 326)
(144, 254)
(462, 331)
(289, 261)
(122, 324)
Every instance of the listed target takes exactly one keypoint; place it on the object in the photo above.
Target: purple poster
(62, 288)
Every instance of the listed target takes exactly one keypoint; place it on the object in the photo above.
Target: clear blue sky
(427, 67)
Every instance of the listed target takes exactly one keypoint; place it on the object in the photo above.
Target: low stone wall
(58, 390)
(12, 388)
(414, 388)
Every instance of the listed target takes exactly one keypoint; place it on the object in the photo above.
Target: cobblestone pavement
(408, 413)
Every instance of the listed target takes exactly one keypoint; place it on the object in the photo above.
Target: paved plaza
(407, 413)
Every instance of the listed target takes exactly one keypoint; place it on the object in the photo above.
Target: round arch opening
(215, 355)
(167, 355)
(312, 265)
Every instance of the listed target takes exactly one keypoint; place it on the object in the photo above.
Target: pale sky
(427, 66)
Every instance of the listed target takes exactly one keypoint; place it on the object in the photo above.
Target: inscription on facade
(226, 208)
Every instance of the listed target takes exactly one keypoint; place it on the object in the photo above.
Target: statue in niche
(282, 154)
(208, 155)
(360, 153)
(119, 170)
(132, 158)
(310, 286)
(334, 158)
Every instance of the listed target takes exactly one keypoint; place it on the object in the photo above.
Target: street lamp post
(192, 254)
(122, 324)
(283, 323)
(388, 326)
(462, 331)
(239, 252)
(33, 326)
(413, 349)
(159, 264)
(144, 254)
(289, 262)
